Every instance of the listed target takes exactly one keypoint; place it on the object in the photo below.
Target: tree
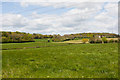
(84, 40)
(8, 37)
(92, 40)
(104, 40)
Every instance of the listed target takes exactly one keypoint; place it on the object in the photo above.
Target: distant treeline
(15, 37)
(10, 37)
(58, 38)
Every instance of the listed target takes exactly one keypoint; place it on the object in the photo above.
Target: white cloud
(65, 4)
(60, 0)
(66, 0)
(112, 9)
(79, 19)
(15, 20)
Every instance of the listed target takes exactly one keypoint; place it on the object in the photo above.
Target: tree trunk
(102, 42)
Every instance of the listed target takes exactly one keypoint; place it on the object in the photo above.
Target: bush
(111, 41)
(104, 39)
(66, 39)
(99, 41)
(92, 40)
(84, 40)
(57, 40)
(116, 41)
(119, 40)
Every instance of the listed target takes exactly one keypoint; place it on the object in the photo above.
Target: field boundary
(33, 47)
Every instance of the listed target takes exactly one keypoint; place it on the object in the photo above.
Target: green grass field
(60, 60)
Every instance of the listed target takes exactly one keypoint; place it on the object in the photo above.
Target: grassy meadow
(42, 59)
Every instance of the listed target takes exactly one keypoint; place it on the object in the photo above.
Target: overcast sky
(60, 17)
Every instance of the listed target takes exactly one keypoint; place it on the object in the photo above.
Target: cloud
(65, 4)
(15, 20)
(112, 9)
(87, 17)
(60, 0)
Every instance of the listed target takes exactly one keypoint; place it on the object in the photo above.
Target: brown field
(112, 38)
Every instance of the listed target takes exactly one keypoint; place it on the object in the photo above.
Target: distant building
(99, 36)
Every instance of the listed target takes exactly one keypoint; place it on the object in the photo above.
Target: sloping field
(69, 61)
(71, 41)
(74, 41)
(112, 38)
(38, 44)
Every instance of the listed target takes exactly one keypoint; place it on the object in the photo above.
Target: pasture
(41, 59)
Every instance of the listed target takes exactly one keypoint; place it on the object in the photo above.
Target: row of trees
(40, 36)
(103, 40)
(26, 37)
(59, 38)
(14, 37)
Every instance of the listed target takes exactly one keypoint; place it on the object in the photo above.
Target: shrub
(92, 40)
(0, 40)
(57, 40)
(119, 40)
(84, 40)
(111, 41)
(66, 39)
(4, 39)
(116, 41)
(99, 41)
(104, 39)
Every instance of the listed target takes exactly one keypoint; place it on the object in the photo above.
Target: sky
(60, 17)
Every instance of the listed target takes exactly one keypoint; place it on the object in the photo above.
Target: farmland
(68, 39)
(59, 60)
